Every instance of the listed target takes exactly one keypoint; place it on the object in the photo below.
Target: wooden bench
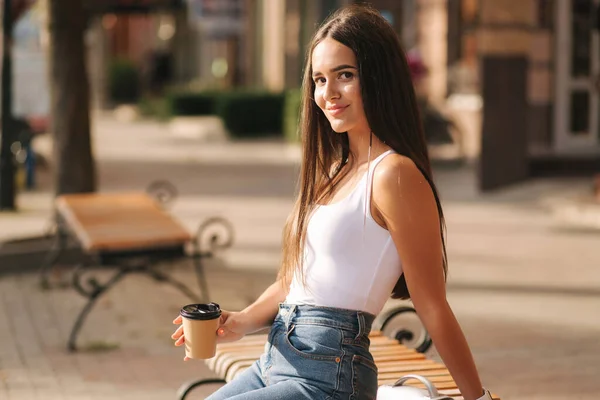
(392, 358)
(129, 232)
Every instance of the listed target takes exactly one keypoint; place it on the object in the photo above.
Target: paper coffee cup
(200, 323)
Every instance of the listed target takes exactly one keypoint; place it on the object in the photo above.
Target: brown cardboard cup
(200, 323)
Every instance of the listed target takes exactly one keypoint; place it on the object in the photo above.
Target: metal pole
(7, 161)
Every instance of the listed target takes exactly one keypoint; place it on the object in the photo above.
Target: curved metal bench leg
(93, 292)
(53, 255)
(186, 388)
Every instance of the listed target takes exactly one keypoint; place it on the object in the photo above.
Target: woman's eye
(346, 75)
(320, 80)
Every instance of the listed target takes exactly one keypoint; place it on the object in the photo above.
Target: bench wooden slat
(393, 350)
(226, 363)
(391, 373)
(245, 341)
(378, 341)
(444, 385)
(394, 375)
(398, 357)
(444, 378)
(236, 369)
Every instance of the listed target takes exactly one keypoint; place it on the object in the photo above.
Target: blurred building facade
(538, 73)
(525, 72)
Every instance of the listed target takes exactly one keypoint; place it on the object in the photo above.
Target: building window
(581, 28)
(463, 74)
(546, 14)
(580, 112)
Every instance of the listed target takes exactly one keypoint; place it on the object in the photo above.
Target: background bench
(129, 233)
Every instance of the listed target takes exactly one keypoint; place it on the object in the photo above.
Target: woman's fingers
(224, 335)
(177, 333)
(223, 318)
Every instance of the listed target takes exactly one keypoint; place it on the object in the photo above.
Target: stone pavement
(525, 289)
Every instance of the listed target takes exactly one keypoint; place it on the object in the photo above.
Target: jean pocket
(364, 378)
(315, 342)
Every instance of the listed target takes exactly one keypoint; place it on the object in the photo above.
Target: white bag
(400, 392)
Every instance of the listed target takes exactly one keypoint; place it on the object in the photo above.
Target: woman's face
(337, 87)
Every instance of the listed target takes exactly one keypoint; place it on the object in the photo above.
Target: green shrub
(251, 114)
(187, 104)
(244, 113)
(291, 115)
(123, 82)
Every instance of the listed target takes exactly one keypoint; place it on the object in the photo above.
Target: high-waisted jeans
(312, 353)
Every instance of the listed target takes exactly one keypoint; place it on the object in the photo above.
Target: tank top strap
(370, 174)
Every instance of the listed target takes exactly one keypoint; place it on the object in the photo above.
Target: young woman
(367, 223)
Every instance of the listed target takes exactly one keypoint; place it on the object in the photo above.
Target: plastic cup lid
(201, 311)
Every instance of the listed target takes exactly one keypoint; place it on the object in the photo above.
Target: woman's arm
(404, 201)
(262, 312)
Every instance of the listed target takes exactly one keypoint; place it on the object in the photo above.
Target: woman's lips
(334, 111)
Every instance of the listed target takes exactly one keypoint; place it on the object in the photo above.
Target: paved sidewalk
(127, 350)
(525, 289)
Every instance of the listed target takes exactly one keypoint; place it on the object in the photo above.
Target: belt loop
(290, 314)
(361, 324)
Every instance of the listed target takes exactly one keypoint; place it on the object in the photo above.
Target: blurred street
(525, 289)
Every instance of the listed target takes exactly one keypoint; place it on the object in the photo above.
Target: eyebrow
(336, 69)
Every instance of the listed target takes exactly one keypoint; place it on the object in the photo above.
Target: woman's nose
(331, 92)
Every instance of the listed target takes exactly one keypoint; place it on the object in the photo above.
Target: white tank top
(350, 261)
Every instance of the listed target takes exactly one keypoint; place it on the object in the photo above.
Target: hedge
(251, 114)
(244, 113)
(187, 104)
(123, 82)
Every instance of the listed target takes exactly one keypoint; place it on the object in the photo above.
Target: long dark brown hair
(390, 107)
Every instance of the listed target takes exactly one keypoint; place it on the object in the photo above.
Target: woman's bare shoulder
(397, 172)
(398, 185)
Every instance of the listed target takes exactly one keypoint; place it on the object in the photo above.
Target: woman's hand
(232, 327)
(178, 334)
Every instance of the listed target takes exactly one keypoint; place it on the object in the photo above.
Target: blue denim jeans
(312, 353)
